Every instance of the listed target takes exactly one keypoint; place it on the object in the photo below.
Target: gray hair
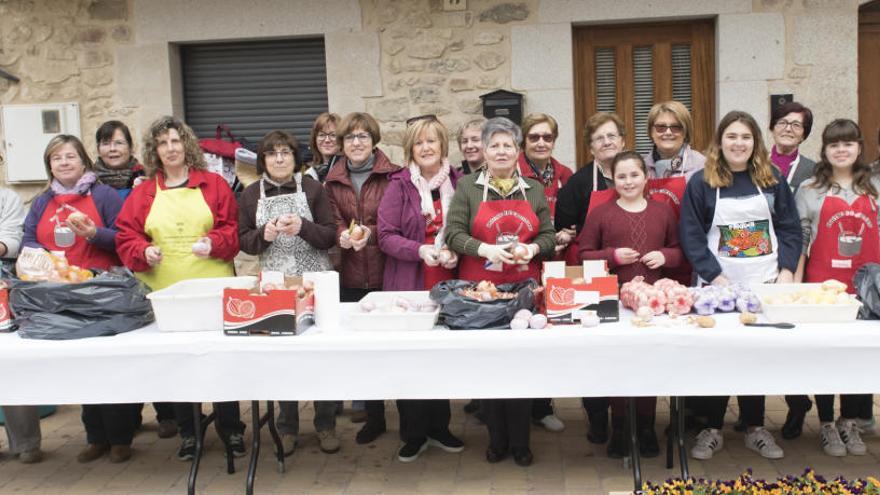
(503, 125)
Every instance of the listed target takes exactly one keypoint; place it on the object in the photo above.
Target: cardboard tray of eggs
(807, 303)
(395, 311)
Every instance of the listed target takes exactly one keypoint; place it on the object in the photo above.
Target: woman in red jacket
(182, 223)
(355, 186)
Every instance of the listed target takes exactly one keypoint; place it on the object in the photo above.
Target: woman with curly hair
(739, 224)
(179, 224)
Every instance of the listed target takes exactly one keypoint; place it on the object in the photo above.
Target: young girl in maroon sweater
(636, 236)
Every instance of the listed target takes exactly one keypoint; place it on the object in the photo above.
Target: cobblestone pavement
(564, 462)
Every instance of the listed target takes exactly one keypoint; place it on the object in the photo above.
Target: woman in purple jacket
(411, 218)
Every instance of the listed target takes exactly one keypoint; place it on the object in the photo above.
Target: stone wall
(436, 62)
(400, 58)
(64, 50)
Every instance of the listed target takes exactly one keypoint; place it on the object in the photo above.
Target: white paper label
(841, 263)
(586, 297)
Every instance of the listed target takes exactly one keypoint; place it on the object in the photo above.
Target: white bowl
(803, 313)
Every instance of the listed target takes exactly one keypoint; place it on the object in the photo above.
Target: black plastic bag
(459, 312)
(867, 284)
(113, 302)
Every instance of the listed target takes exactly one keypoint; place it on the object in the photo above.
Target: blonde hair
(718, 173)
(415, 130)
(681, 113)
(534, 119)
(192, 154)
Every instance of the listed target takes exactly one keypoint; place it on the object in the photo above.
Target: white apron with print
(289, 253)
(743, 239)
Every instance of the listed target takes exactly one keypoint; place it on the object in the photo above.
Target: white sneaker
(831, 442)
(851, 436)
(866, 426)
(762, 442)
(551, 423)
(708, 442)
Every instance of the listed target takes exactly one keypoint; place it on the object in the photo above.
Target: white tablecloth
(613, 360)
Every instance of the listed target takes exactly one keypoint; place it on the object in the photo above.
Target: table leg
(194, 467)
(279, 449)
(634, 443)
(255, 447)
(672, 432)
(682, 450)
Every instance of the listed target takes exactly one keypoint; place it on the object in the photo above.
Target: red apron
(670, 190)
(434, 274)
(82, 253)
(846, 238)
(495, 219)
(596, 198)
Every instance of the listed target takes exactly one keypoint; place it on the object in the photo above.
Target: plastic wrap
(867, 284)
(464, 313)
(113, 302)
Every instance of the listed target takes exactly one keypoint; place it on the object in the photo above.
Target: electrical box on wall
(27, 130)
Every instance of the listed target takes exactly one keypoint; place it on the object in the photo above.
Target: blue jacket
(107, 202)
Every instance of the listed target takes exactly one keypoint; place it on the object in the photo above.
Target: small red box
(562, 296)
(246, 313)
(5, 311)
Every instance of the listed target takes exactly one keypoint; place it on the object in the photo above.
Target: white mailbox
(28, 128)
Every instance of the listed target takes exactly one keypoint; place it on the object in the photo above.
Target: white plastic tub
(803, 313)
(194, 305)
(381, 319)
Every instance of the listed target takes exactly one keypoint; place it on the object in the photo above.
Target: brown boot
(120, 453)
(92, 452)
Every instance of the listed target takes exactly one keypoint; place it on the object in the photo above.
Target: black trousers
(112, 424)
(852, 406)
(751, 409)
(596, 407)
(375, 411)
(508, 421)
(541, 408)
(164, 410)
(227, 420)
(420, 419)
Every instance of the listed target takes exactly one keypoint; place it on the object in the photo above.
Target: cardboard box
(277, 312)
(5, 311)
(571, 289)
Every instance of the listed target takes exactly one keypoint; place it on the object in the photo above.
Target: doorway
(869, 75)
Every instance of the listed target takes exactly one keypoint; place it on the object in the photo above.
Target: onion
(523, 313)
(357, 233)
(445, 256)
(519, 324)
(537, 321)
(645, 313)
(520, 252)
(367, 306)
(590, 319)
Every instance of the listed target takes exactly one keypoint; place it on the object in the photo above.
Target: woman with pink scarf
(412, 216)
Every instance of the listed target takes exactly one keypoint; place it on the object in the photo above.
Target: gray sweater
(809, 205)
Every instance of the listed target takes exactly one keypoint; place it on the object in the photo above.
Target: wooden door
(628, 68)
(869, 76)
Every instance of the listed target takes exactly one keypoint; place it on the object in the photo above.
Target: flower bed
(746, 484)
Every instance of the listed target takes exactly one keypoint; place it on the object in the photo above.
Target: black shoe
(493, 456)
(522, 456)
(446, 441)
(370, 432)
(472, 406)
(187, 450)
(598, 430)
(648, 445)
(235, 443)
(617, 447)
(411, 451)
(794, 423)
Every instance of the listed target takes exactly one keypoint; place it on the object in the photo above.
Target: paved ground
(564, 462)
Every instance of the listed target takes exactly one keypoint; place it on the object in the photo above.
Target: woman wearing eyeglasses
(355, 186)
(116, 166)
(791, 124)
(324, 146)
(286, 219)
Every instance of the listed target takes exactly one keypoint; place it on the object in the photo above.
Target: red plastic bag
(219, 146)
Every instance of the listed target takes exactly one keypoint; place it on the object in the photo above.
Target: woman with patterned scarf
(116, 166)
(412, 216)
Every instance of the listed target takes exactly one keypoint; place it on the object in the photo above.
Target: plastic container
(381, 319)
(803, 313)
(194, 305)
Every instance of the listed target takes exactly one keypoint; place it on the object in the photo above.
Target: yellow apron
(178, 218)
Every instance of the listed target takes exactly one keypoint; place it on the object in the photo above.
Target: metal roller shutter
(255, 87)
